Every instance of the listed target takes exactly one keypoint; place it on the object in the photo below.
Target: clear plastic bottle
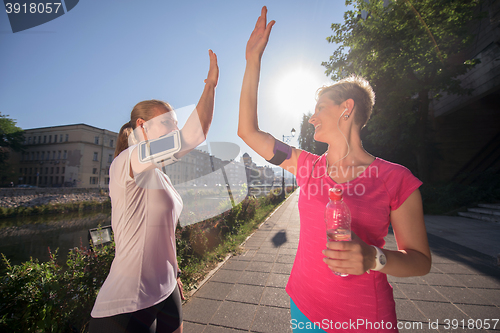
(337, 219)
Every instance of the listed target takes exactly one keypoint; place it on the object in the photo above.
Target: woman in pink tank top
(378, 193)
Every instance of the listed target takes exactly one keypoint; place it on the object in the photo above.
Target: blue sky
(93, 64)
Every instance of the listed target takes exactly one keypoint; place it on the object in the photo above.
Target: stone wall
(29, 197)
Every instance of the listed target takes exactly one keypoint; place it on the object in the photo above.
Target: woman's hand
(259, 37)
(213, 71)
(179, 283)
(354, 257)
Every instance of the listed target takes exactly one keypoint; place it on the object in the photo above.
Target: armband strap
(281, 151)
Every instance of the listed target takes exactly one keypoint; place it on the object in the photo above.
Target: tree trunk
(421, 154)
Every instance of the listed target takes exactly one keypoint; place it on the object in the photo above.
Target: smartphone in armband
(160, 150)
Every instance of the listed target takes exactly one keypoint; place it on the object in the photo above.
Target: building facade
(468, 127)
(66, 156)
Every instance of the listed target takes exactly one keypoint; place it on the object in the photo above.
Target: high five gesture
(248, 127)
(259, 37)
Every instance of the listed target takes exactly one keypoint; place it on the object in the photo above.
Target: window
(96, 140)
(22, 157)
(57, 170)
(31, 171)
(111, 142)
(21, 170)
(62, 180)
(93, 180)
(25, 171)
(57, 179)
(36, 171)
(65, 154)
(110, 158)
(43, 155)
(32, 156)
(45, 141)
(50, 140)
(63, 170)
(46, 172)
(67, 137)
(95, 156)
(37, 155)
(51, 180)
(106, 181)
(41, 170)
(29, 140)
(59, 155)
(52, 170)
(54, 155)
(94, 171)
(60, 138)
(45, 180)
(39, 139)
(34, 140)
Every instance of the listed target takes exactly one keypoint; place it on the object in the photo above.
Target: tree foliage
(411, 52)
(11, 136)
(11, 139)
(306, 137)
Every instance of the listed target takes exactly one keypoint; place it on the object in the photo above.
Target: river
(24, 237)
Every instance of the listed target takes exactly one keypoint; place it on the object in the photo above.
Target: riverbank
(31, 197)
(22, 202)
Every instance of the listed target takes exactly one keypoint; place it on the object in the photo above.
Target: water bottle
(337, 219)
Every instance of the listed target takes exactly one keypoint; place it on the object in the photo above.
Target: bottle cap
(335, 193)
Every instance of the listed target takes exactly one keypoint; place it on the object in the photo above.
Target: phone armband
(161, 150)
(281, 151)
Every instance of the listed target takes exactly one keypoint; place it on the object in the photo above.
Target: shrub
(49, 298)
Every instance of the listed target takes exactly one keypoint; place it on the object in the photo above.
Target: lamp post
(286, 139)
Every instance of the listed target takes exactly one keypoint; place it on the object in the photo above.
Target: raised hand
(259, 37)
(213, 72)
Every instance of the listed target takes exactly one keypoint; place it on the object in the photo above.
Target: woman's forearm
(248, 122)
(195, 130)
(406, 263)
(205, 108)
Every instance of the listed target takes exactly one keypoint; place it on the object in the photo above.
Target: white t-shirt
(145, 210)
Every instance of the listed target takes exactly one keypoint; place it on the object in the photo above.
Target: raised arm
(194, 132)
(196, 128)
(248, 128)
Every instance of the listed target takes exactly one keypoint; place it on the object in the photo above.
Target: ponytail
(144, 110)
(122, 143)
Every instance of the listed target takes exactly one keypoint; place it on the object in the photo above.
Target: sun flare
(296, 90)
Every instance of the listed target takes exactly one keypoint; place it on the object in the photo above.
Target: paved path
(248, 293)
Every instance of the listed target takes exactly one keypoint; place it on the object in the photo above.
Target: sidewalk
(248, 293)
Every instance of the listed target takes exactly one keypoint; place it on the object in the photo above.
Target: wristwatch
(380, 259)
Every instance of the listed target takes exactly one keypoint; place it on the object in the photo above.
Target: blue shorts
(300, 323)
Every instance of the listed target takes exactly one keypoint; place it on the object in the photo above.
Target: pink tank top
(363, 303)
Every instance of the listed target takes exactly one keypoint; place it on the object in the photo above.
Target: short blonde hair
(356, 88)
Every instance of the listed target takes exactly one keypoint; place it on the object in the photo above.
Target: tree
(306, 137)
(411, 52)
(11, 138)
